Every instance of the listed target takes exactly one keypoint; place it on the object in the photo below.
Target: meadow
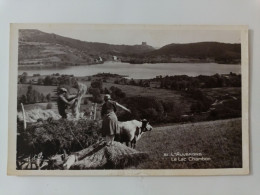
(218, 142)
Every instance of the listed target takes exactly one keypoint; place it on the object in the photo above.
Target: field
(22, 89)
(219, 143)
(130, 90)
(215, 92)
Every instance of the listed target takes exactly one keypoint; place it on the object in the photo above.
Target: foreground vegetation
(56, 136)
(219, 143)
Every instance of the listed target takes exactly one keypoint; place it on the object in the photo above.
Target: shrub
(117, 93)
(98, 84)
(96, 95)
(56, 137)
(49, 106)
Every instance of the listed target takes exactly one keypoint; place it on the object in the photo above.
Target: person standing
(110, 123)
(65, 100)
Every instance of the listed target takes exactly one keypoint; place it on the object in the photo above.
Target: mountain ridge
(40, 48)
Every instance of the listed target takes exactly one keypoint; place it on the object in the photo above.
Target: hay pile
(33, 115)
(82, 89)
(54, 137)
(100, 156)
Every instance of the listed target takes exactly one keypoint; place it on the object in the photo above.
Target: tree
(32, 96)
(40, 81)
(47, 80)
(132, 82)
(96, 95)
(23, 78)
(97, 84)
(49, 106)
(48, 97)
(29, 94)
(117, 93)
(42, 98)
(21, 99)
(106, 91)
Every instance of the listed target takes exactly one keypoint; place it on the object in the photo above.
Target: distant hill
(203, 50)
(39, 48)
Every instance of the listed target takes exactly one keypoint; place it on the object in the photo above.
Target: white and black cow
(131, 131)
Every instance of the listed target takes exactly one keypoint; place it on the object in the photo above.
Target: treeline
(53, 80)
(60, 80)
(184, 82)
(159, 111)
(33, 96)
(150, 108)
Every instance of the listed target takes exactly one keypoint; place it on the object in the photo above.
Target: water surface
(138, 71)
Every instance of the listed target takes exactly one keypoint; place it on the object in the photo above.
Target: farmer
(65, 100)
(110, 122)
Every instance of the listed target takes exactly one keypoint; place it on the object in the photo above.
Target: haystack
(33, 115)
(82, 89)
(100, 156)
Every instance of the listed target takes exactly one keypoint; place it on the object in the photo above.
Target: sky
(132, 35)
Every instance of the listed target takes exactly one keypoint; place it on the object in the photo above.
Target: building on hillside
(115, 58)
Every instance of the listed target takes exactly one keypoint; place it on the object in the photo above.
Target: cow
(131, 131)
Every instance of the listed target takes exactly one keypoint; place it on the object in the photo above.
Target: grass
(162, 94)
(215, 92)
(221, 141)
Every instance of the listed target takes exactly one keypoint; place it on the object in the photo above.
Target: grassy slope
(214, 92)
(162, 94)
(218, 140)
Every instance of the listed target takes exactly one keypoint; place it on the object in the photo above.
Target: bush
(117, 93)
(98, 84)
(96, 95)
(56, 137)
(49, 106)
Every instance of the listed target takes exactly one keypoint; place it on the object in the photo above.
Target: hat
(107, 97)
(63, 89)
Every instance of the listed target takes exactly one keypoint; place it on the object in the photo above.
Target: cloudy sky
(131, 35)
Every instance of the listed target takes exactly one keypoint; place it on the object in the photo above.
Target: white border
(11, 169)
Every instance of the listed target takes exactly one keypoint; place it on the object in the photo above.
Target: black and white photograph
(128, 100)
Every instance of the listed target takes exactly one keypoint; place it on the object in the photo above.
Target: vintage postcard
(128, 100)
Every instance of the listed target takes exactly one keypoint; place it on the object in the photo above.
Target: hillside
(40, 48)
(37, 48)
(220, 52)
(218, 142)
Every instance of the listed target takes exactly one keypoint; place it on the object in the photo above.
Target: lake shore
(138, 71)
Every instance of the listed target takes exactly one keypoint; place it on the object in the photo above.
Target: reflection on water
(138, 71)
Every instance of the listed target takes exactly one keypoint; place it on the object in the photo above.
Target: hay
(82, 89)
(33, 115)
(56, 136)
(100, 156)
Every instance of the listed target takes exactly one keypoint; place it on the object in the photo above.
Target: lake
(138, 71)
